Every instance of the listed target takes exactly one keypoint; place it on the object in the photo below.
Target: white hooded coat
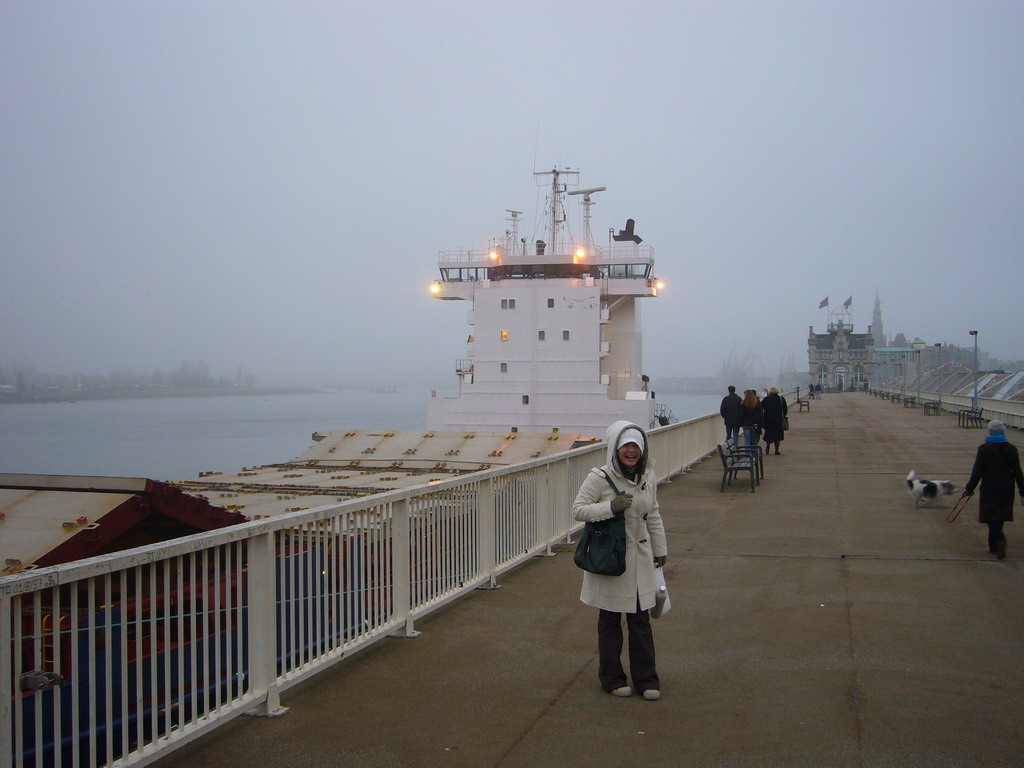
(645, 532)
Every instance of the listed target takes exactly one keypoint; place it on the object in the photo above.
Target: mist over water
(175, 438)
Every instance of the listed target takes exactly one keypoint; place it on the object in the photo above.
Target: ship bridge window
(565, 335)
(467, 274)
(526, 399)
(508, 303)
(540, 335)
(625, 270)
(551, 303)
(504, 367)
(529, 271)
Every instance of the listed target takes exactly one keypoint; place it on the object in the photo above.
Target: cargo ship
(553, 356)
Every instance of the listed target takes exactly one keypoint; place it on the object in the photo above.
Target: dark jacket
(730, 409)
(751, 417)
(775, 408)
(997, 468)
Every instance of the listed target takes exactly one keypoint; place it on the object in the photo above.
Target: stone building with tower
(840, 359)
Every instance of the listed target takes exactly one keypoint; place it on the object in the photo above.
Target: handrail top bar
(149, 553)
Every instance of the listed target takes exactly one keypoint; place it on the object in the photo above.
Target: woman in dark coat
(775, 410)
(997, 468)
(751, 418)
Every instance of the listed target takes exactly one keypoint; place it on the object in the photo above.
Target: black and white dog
(924, 492)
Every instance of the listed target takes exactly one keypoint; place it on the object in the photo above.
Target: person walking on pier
(626, 485)
(751, 418)
(730, 412)
(997, 468)
(776, 410)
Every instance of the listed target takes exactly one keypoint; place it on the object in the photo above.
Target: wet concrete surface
(822, 621)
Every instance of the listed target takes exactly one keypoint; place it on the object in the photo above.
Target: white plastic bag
(662, 602)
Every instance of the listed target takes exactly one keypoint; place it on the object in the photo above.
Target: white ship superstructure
(556, 337)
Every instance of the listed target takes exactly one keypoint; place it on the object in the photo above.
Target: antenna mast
(556, 209)
(512, 234)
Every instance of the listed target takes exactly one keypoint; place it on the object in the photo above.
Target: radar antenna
(588, 238)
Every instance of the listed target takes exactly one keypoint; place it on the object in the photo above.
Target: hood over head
(620, 433)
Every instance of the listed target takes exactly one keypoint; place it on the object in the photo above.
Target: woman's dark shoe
(1001, 550)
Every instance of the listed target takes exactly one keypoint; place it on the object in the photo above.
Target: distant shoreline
(136, 393)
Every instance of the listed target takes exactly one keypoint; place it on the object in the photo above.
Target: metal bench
(733, 464)
(970, 417)
(895, 397)
(757, 451)
(931, 408)
(910, 402)
(805, 405)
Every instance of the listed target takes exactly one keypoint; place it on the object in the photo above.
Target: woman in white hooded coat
(633, 593)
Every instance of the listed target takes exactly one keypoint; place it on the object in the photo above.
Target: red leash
(954, 513)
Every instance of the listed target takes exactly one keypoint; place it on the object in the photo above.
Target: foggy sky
(267, 185)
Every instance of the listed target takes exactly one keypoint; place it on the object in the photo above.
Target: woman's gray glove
(621, 502)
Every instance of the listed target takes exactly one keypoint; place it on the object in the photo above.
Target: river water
(172, 438)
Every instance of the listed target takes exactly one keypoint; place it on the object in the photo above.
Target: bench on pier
(757, 451)
(885, 395)
(931, 408)
(910, 402)
(970, 417)
(735, 463)
(895, 397)
(805, 405)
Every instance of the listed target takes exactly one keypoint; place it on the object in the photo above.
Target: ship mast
(512, 235)
(556, 209)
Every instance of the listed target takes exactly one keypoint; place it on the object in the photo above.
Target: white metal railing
(1011, 412)
(482, 256)
(122, 658)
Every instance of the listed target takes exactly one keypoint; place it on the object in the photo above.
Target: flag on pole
(848, 302)
(824, 303)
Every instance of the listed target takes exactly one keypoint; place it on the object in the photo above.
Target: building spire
(877, 330)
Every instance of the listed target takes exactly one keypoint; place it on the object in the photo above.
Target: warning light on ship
(581, 254)
(659, 285)
(435, 288)
(493, 255)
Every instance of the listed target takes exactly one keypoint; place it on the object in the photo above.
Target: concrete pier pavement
(822, 621)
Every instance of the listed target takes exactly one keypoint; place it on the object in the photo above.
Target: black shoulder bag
(602, 547)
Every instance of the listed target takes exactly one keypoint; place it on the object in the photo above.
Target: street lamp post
(940, 376)
(974, 400)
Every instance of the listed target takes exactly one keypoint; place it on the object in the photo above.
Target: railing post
(263, 597)
(545, 507)
(6, 681)
(401, 572)
(558, 492)
(488, 543)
